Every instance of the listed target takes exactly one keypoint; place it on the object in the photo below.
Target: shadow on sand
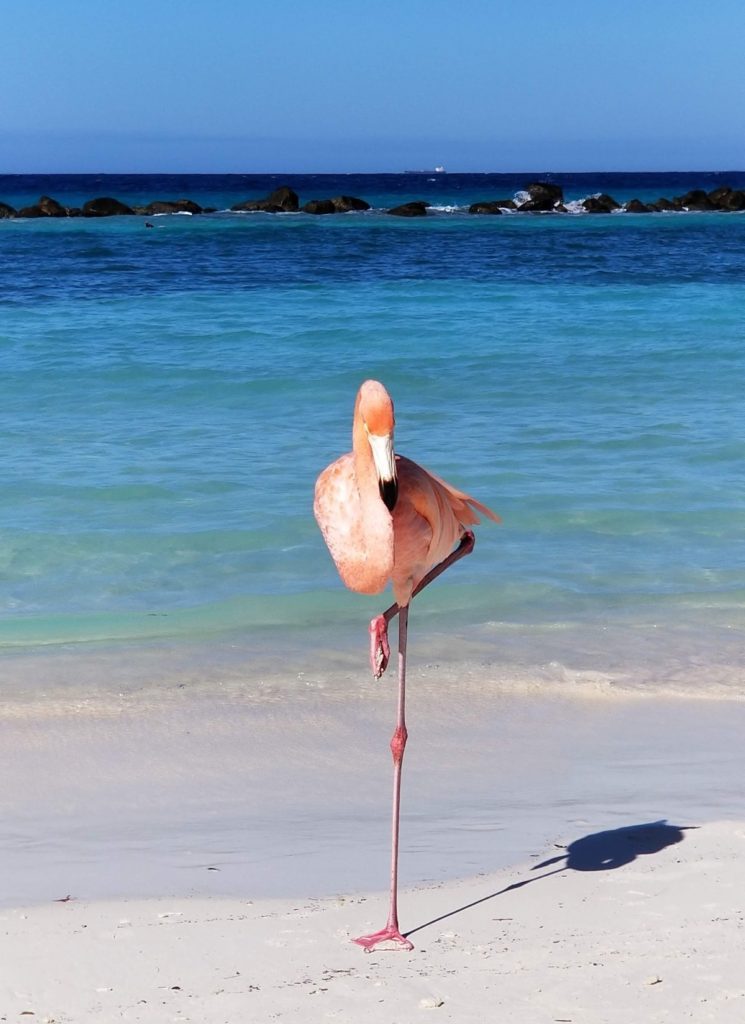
(601, 851)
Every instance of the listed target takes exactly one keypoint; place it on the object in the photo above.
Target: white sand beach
(573, 857)
(658, 939)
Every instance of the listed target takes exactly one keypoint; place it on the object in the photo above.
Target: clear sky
(342, 85)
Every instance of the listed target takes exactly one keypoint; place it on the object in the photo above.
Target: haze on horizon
(349, 86)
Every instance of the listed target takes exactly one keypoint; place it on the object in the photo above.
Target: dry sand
(659, 938)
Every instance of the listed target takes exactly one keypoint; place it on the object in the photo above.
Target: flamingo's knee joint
(398, 743)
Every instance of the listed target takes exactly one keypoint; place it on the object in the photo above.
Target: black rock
(319, 206)
(46, 207)
(106, 207)
(486, 206)
(696, 199)
(544, 196)
(545, 190)
(637, 206)
(282, 200)
(285, 198)
(663, 204)
(346, 204)
(418, 208)
(726, 198)
(600, 204)
(170, 206)
(51, 208)
(6, 211)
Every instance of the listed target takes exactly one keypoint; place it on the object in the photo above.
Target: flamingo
(386, 519)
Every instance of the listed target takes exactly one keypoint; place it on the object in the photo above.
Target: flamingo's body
(386, 519)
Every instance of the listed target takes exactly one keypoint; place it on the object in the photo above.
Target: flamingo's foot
(380, 650)
(389, 934)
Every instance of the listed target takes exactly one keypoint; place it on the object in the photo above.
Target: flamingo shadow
(600, 851)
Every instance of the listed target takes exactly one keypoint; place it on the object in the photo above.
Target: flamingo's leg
(380, 651)
(391, 933)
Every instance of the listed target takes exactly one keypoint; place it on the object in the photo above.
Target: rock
(170, 206)
(545, 190)
(51, 208)
(487, 206)
(726, 198)
(319, 206)
(537, 206)
(285, 198)
(418, 208)
(282, 200)
(637, 206)
(257, 206)
(74, 211)
(46, 207)
(663, 204)
(106, 207)
(6, 211)
(600, 204)
(696, 199)
(346, 204)
(543, 197)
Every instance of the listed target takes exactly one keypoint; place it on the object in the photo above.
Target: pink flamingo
(384, 518)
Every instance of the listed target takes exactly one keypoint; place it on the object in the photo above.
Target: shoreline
(699, 657)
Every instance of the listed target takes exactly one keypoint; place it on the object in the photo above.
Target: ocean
(170, 395)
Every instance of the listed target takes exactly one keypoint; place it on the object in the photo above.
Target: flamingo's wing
(464, 506)
(429, 518)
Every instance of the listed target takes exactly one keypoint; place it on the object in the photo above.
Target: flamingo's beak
(385, 467)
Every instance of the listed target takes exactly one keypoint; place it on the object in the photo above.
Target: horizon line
(424, 170)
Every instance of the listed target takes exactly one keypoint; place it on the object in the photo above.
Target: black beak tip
(389, 493)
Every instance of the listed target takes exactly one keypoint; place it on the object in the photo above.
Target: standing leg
(391, 931)
(380, 651)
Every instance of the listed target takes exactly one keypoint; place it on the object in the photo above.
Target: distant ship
(426, 170)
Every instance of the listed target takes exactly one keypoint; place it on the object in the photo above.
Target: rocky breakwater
(104, 206)
(545, 197)
(285, 200)
(539, 197)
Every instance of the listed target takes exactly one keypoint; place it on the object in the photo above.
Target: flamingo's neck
(377, 520)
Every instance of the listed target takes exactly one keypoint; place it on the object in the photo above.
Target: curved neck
(377, 520)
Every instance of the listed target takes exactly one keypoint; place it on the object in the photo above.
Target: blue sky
(340, 85)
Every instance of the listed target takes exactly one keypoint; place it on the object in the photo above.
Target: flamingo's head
(376, 411)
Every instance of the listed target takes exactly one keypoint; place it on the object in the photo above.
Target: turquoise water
(169, 396)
